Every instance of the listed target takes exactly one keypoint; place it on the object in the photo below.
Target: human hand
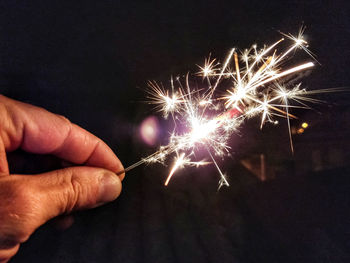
(28, 201)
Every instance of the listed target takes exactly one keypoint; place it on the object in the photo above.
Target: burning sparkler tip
(204, 120)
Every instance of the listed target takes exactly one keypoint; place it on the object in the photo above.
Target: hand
(28, 201)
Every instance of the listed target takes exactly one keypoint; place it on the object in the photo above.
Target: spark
(210, 67)
(300, 42)
(205, 122)
(164, 101)
(180, 162)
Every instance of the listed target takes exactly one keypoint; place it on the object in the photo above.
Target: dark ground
(90, 61)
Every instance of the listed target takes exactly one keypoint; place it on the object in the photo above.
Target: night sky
(90, 61)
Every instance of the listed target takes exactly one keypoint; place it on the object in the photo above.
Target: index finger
(38, 131)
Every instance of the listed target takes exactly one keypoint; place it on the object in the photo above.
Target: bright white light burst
(204, 121)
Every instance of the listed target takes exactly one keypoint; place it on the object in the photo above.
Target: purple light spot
(149, 130)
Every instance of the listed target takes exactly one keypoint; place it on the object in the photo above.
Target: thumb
(28, 201)
(35, 199)
(75, 188)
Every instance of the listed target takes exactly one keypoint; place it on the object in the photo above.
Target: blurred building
(321, 142)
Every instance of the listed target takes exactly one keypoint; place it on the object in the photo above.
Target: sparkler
(204, 121)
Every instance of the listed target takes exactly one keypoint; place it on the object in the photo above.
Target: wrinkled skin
(28, 201)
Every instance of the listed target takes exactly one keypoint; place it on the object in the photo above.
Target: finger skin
(28, 201)
(38, 131)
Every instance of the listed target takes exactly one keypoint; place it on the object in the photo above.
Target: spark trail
(204, 121)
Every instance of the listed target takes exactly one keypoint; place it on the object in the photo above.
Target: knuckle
(66, 122)
(64, 119)
(73, 192)
(77, 189)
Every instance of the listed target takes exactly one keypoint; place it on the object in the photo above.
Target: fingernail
(109, 188)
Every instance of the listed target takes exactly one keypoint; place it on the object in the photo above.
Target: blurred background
(90, 61)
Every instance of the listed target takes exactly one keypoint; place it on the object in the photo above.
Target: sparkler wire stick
(127, 169)
(134, 165)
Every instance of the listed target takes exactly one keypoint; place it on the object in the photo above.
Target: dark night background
(90, 61)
